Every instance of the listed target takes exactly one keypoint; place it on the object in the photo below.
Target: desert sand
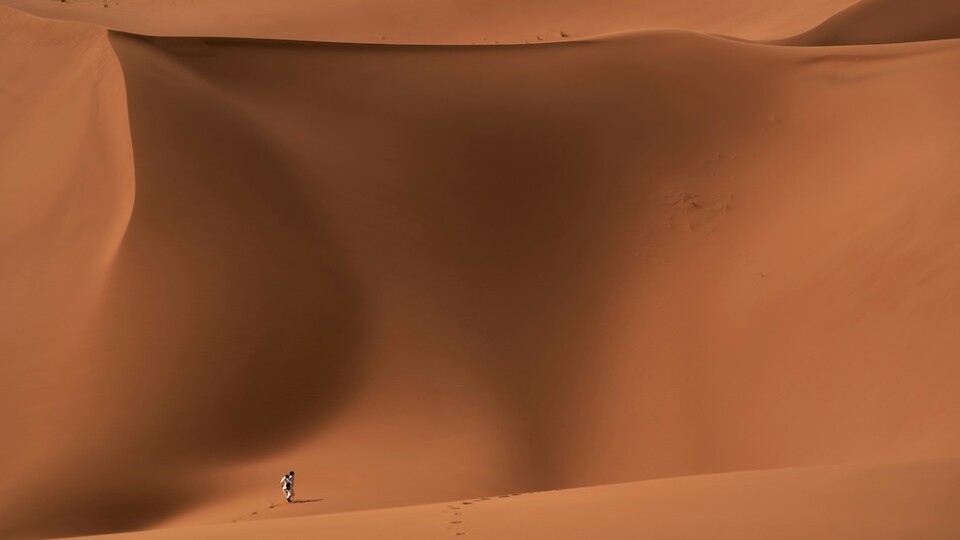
(652, 269)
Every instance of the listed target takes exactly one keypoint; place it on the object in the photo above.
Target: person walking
(287, 483)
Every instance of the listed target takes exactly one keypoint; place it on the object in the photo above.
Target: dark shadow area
(233, 318)
(107, 505)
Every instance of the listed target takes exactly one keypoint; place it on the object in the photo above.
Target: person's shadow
(306, 501)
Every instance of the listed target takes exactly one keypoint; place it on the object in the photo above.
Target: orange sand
(417, 270)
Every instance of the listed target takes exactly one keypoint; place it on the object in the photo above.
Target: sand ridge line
(866, 17)
(435, 21)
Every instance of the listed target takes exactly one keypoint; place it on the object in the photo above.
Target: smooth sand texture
(437, 273)
(439, 21)
(886, 21)
(913, 500)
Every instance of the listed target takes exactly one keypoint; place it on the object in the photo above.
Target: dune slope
(66, 191)
(913, 500)
(425, 273)
(886, 21)
(437, 21)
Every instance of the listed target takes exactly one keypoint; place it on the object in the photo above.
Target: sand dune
(886, 21)
(66, 190)
(438, 21)
(914, 500)
(439, 272)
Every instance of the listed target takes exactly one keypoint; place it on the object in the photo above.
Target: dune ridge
(885, 21)
(436, 21)
(572, 264)
(909, 500)
(67, 190)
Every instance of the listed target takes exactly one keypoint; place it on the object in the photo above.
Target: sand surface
(910, 500)
(439, 21)
(635, 245)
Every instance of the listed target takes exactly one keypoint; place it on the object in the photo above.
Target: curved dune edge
(871, 22)
(437, 21)
(904, 500)
(865, 22)
(67, 193)
(198, 107)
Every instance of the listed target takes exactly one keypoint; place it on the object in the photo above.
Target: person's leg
(292, 494)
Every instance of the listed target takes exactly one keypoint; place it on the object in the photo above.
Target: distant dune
(438, 21)
(886, 21)
(663, 240)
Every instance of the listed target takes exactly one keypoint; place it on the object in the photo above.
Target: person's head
(291, 473)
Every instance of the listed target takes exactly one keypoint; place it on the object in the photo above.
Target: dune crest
(438, 22)
(885, 21)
